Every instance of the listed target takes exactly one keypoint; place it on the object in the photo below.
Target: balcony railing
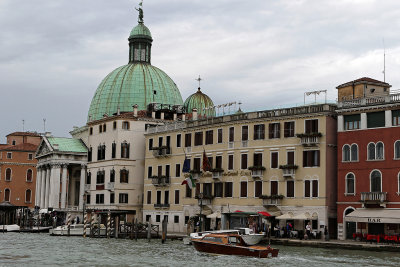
(161, 181)
(109, 186)
(272, 202)
(204, 201)
(158, 205)
(87, 187)
(161, 151)
(373, 197)
(231, 145)
(310, 140)
(165, 205)
(245, 143)
(217, 175)
(257, 173)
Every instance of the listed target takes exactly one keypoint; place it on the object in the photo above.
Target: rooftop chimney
(194, 114)
(135, 110)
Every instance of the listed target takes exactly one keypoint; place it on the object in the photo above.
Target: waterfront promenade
(338, 244)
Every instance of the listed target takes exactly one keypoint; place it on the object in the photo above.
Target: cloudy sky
(54, 53)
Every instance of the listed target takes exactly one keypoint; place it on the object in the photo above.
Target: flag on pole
(189, 181)
(186, 165)
(206, 163)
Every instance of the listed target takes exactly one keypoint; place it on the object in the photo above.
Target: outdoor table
(391, 238)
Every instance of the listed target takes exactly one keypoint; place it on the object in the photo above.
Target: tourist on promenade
(326, 233)
(277, 231)
(308, 230)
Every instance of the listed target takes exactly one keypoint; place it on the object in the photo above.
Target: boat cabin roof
(224, 238)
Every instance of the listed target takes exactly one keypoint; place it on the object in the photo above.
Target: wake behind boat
(10, 228)
(231, 244)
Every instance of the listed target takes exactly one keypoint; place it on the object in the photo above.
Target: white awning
(302, 216)
(286, 216)
(374, 216)
(214, 215)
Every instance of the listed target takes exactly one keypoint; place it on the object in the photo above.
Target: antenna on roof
(23, 125)
(44, 125)
(384, 61)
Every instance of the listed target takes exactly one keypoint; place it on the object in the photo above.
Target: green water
(19, 249)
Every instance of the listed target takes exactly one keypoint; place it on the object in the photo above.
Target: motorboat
(249, 237)
(10, 228)
(75, 230)
(231, 244)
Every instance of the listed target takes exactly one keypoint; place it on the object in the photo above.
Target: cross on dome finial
(140, 9)
(199, 80)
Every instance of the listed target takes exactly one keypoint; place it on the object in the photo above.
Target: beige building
(280, 161)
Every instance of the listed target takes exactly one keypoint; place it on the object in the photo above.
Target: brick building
(18, 168)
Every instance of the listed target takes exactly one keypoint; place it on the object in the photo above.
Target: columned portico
(64, 186)
(47, 194)
(43, 188)
(55, 186)
(38, 185)
(82, 186)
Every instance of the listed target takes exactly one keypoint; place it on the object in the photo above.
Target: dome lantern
(201, 102)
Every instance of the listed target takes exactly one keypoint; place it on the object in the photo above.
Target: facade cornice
(18, 164)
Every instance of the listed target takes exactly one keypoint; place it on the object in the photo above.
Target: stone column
(55, 187)
(363, 121)
(47, 192)
(82, 186)
(42, 188)
(38, 185)
(340, 123)
(388, 118)
(64, 186)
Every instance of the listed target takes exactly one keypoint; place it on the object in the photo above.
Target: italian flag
(189, 181)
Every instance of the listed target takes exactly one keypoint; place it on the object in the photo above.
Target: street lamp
(201, 207)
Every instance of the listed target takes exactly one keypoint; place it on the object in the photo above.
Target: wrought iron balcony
(158, 205)
(161, 181)
(165, 205)
(288, 170)
(374, 198)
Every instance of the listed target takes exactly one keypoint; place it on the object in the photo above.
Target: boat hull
(252, 251)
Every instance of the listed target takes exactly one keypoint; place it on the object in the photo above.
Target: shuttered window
(230, 162)
(274, 187)
(245, 133)
(257, 188)
(243, 161)
(376, 119)
(307, 188)
(311, 126)
(257, 159)
(231, 134)
(290, 188)
(311, 158)
(218, 187)
(289, 129)
(290, 158)
(259, 132)
(243, 189)
(274, 160)
(352, 121)
(198, 139)
(188, 140)
(228, 189)
(274, 130)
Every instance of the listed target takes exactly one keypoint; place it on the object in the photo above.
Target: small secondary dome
(202, 102)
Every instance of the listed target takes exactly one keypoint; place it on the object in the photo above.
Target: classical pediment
(44, 149)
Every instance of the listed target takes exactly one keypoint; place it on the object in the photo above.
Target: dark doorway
(376, 228)
(350, 229)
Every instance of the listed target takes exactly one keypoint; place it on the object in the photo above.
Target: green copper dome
(138, 82)
(140, 31)
(201, 102)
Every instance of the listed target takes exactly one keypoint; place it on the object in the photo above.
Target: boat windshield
(232, 239)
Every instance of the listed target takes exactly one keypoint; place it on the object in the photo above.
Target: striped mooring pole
(91, 223)
(85, 224)
(108, 224)
(69, 223)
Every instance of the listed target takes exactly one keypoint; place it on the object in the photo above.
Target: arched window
(125, 150)
(7, 194)
(397, 149)
(125, 125)
(376, 181)
(346, 153)
(371, 151)
(124, 176)
(29, 175)
(28, 195)
(350, 183)
(354, 152)
(379, 150)
(8, 174)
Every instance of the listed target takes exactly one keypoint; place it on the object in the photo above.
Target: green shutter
(352, 118)
(376, 119)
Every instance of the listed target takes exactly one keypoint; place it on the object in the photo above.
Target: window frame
(397, 142)
(370, 180)
(346, 184)
(287, 189)
(31, 179)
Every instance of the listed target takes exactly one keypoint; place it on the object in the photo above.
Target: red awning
(264, 213)
(238, 211)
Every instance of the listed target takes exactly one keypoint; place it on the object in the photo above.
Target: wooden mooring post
(85, 217)
(164, 231)
(69, 223)
(149, 230)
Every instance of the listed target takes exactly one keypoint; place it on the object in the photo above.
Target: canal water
(19, 249)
